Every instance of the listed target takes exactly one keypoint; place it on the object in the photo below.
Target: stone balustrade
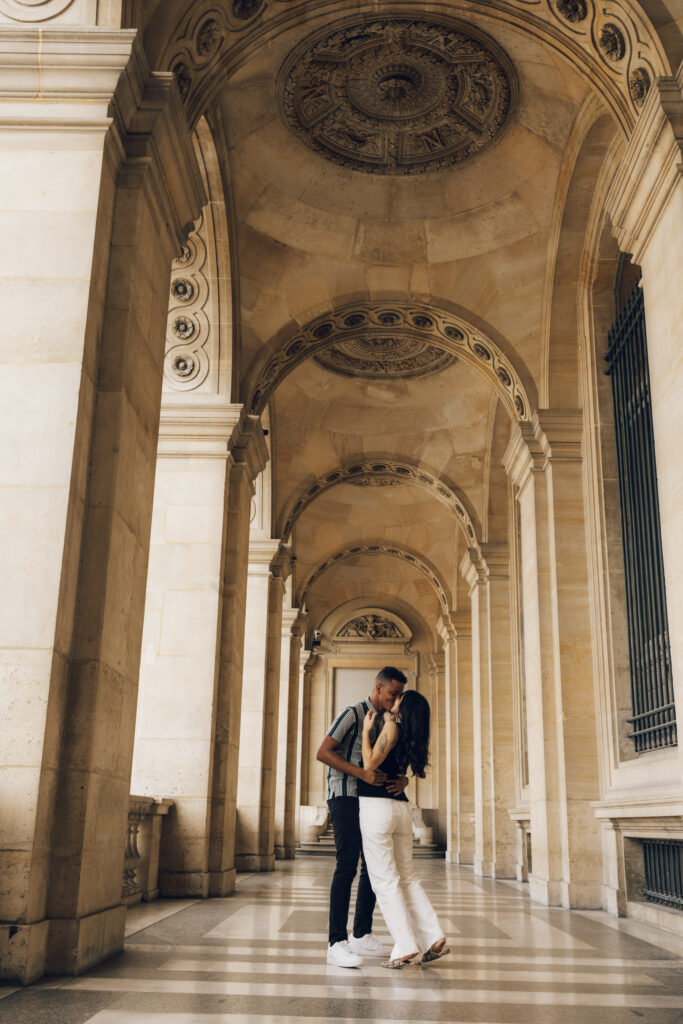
(143, 845)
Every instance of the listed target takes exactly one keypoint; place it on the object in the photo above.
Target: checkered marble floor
(259, 957)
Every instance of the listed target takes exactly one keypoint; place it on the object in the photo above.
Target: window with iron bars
(654, 714)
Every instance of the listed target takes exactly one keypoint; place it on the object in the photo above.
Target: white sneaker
(339, 955)
(367, 945)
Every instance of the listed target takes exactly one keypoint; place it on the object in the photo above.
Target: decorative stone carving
(371, 627)
(186, 364)
(373, 470)
(245, 9)
(612, 43)
(34, 10)
(380, 549)
(366, 326)
(208, 39)
(183, 78)
(370, 357)
(572, 10)
(639, 86)
(379, 481)
(397, 96)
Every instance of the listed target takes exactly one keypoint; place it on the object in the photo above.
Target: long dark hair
(412, 748)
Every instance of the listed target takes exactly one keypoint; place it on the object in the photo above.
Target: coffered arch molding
(365, 468)
(426, 322)
(382, 547)
(614, 45)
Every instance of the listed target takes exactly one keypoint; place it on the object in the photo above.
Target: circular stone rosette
(378, 358)
(397, 96)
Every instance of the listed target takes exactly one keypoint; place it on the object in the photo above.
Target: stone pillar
(493, 723)
(308, 763)
(173, 738)
(269, 566)
(288, 734)
(544, 461)
(459, 660)
(439, 764)
(250, 455)
(646, 207)
(96, 208)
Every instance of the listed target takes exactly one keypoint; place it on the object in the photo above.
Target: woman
(386, 827)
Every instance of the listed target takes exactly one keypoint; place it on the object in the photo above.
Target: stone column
(486, 570)
(447, 634)
(174, 737)
(544, 461)
(646, 207)
(250, 455)
(96, 207)
(293, 625)
(269, 566)
(308, 763)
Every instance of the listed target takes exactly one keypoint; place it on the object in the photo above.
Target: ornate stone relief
(387, 469)
(379, 481)
(34, 10)
(371, 627)
(371, 357)
(186, 364)
(379, 549)
(395, 95)
(396, 88)
(433, 328)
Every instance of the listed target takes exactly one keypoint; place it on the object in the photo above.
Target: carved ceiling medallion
(395, 96)
(381, 357)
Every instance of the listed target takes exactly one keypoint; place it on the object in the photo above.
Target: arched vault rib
(364, 468)
(435, 326)
(383, 548)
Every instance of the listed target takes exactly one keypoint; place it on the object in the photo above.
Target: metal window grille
(663, 862)
(654, 713)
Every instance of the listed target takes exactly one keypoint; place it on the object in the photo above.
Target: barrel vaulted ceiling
(406, 163)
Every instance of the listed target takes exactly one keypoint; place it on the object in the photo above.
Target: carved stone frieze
(572, 10)
(355, 472)
(379, 549)
(378, 357)
(612, 43)
(371, 627)
(379, 481)
(351, 328)
(397, 96)
(34, 10)
(186, 364)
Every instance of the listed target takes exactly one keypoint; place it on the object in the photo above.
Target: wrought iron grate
(654, 713)
(663, 860)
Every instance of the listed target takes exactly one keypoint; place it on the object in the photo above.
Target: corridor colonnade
(157, 637)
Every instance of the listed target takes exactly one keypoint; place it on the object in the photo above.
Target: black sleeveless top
(391, 767)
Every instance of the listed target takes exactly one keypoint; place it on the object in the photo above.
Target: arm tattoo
(383, 744)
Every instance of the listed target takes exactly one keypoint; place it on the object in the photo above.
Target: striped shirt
(347, 730)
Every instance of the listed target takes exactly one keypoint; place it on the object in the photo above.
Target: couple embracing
(368, 751)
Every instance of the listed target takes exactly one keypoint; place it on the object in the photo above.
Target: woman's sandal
(396, 965)
(433, 954)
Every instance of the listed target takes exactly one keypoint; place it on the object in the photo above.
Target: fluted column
(268, 570)
(99, 185)
(646, 207)
(544, 462)
(293, 624)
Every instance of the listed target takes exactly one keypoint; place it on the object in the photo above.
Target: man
(341, 751)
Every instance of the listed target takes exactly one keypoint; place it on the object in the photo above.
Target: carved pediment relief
(372, 626)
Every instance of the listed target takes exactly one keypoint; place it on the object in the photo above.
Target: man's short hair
(389, 674)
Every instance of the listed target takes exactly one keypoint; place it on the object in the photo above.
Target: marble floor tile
(258, 957)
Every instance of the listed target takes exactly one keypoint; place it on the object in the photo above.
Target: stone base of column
(285, 852)
(543, 891)
(23, 952)
(174, 884)
(484, 868)
(75, 944)
(255, 861)
(222, 883)
(582, 896)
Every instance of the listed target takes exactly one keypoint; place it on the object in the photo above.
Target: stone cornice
(60, 80)
(474, 569)
(199, 430)
(651, 167)
(248, 445)
(497, 559)
(551, 434)
(281, 563)
(261, 554)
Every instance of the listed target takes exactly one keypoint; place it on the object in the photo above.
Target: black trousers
(347, 839)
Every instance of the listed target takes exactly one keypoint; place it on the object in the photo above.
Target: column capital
(446, 630)
(497, 559)
(261, 554)
(550, 434)
(200, 430)
(248, 445)
(474, 568)
(650, 168)
(281, 562)
(299, 625)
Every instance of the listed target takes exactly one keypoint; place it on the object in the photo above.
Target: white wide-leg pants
(387, 833)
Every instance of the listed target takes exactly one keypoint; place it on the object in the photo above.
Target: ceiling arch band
(356, 470)
(377, 319)
(613, 43)
(380, 549)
